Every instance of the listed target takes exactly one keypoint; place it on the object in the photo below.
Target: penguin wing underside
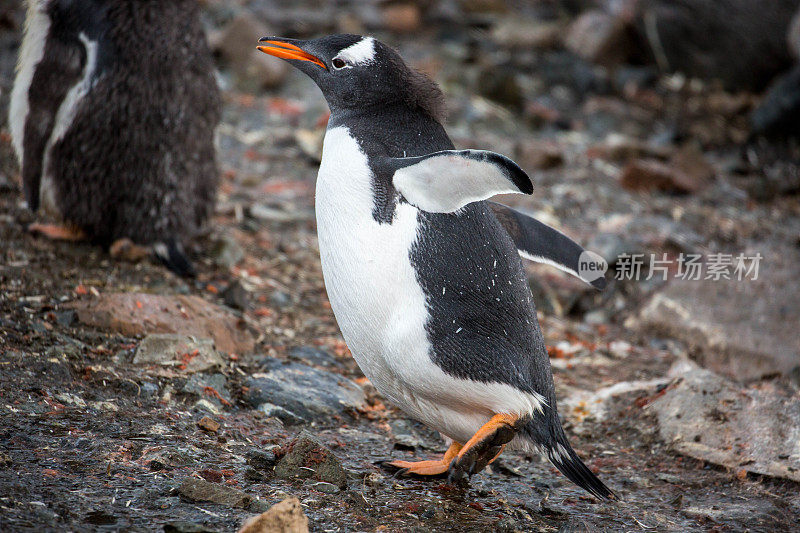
(541, 243)
(443, 182)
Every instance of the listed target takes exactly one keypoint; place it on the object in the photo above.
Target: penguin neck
(396, 129)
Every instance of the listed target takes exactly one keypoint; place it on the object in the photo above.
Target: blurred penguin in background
(112, 118)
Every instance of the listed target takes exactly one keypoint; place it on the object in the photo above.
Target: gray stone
(312, 355)
(199, 384)
(183, 526)
(305, 391)
(307, 458)
(743, 329)
(236, 296)
(404, 434)
(226, 252)
(171, 349)
(284, 415)
(707, 417)
(201, 490)
(261, 460)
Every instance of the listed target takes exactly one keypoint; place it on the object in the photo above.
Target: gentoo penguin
(112, 118)
(423, 276)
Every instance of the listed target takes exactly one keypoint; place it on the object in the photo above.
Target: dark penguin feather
(134, 157)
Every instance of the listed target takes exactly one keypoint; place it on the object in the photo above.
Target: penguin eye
(338, 63)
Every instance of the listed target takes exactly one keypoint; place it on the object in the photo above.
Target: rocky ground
(135, 400)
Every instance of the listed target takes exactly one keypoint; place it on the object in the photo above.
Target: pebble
(306, 457)
(212, 387)
(236, 296)
(263, 460)
(208, 424)
(284, 517)
(225, 251)
(174, 350)
(201, 490)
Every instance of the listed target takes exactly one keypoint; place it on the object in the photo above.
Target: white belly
(380, 306)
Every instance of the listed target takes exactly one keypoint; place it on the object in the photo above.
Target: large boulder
(744, 329)
(707, 417)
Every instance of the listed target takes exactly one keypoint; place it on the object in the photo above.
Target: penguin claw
(483, 448)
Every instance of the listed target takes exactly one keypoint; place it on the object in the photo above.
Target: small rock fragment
(261, 460)
(182, 351)
(225, 251)
(201, 490)
(284, 517)
(208, 424)
(212, 387)
(236, 296)
(306, 457)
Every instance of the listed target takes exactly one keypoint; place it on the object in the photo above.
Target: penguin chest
(371, 283)
(380, 305)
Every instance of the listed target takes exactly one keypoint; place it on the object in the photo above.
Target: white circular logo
(591, 266)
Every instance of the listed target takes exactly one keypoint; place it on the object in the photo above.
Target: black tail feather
(567, 461)
(172, 255)
(546, 434)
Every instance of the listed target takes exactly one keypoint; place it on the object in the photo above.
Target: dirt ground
(91, 441)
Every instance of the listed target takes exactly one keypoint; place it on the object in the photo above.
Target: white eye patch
(361, 52)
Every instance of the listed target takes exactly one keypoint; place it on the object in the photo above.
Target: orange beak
(286, 50)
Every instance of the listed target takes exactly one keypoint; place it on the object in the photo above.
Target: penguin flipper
(541, 243)
(443, 182)
(60, 68)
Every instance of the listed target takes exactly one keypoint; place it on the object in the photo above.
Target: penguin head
(356, 72)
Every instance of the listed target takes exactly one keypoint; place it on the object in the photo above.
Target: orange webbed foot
(57, 233)
(434, 467)
(484, 447)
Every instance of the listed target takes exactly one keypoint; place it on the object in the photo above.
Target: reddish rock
(650, 174)
(209, 424)
(140, 314)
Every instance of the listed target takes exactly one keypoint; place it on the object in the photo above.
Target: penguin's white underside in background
(423, 274)
(112, 119)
